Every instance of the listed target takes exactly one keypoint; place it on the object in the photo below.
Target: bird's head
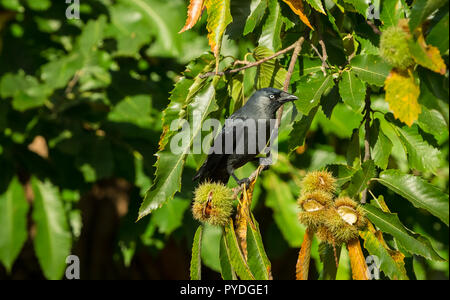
(271, 98)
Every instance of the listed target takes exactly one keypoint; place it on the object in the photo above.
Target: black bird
(223, 157)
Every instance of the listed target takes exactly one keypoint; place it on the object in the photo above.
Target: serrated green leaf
(219, 17)
(391, 12)
(419, 192)
(169, 165)
(361, 6)
(342, 121)
(388, 265)
(269, 73)
(310, 90)
(317, 5)
(211, 246)
(421, 155)
(352, 90)
(237, 259)
(299, 130)
(342, 173)
(432, 121)
(226, 270)
(271, 31)
(380, 145)
(367, 47)
(13, 223)
(361, 178)
(421, 10)
(196, 261)
(257, 261)
(390, 223)
(354, 149)
(371, 69)
(53, 240)
(439, 35)
(328, 259)
(257, 10)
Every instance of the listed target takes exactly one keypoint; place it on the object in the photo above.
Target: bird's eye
(272, 97)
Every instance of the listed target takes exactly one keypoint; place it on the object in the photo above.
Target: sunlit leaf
(194, 12)
(53, 240)
(196, 262)
(271, 31)
(421, 155)
(402, 94)
(219, 17)
(427, 56)
(419, 192)
(236, 257)
(297, 8)
(390, 223)
(352, 90)
(371, 69)
(269, 73)
(388, 264)
(310, 90)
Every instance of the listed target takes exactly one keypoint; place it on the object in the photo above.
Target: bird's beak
(286, 97)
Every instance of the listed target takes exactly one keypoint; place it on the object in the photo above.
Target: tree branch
(250, 65)
(323, 57)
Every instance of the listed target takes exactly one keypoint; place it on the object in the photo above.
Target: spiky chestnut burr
(213, 204)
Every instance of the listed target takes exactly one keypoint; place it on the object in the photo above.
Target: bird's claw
(245, 181)
(265, 167)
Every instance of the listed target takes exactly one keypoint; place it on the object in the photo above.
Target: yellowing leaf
(297, 8)
(194, 12)
(402, 93)
(426, 55)
(219, 17)
(438, 64)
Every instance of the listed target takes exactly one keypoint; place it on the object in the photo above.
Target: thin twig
(374, 27)
(367, 110)
(250, 65)
(323, 57)
(73, 82)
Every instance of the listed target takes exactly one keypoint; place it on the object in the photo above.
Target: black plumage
(223, 157)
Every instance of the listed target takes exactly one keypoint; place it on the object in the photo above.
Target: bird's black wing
(214, 168)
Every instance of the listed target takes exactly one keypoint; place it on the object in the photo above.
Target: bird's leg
(265, 166)
(242, 181)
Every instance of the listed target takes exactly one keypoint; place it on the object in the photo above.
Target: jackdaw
(244, 135)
